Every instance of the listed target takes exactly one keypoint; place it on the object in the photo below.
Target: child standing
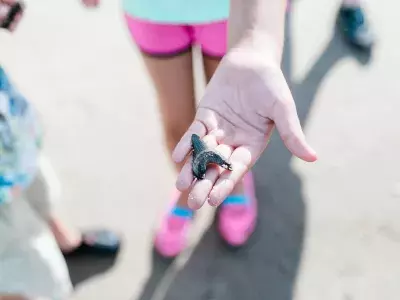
(165, 32)
(31, 263)
(33, 240)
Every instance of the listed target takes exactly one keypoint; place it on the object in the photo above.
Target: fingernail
(192, 203)
(180, 185)
(175, 158)
(213, 196)
(212, 202)
(313, 155)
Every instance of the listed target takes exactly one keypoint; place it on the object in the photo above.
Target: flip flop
(97, 242)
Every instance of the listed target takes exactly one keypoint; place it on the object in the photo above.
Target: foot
(87, 242)
(238, 215)
(95, 242)
(171, 238)
(353, 23)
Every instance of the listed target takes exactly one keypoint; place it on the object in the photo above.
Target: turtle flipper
(212, 157)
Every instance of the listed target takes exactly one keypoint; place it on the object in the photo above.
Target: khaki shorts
(31, 263)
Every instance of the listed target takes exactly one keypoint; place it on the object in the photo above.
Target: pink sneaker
(238, 215)
(171, 238)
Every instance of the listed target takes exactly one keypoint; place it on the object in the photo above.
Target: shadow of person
(267, 268)
(159, 268)
(83, 267)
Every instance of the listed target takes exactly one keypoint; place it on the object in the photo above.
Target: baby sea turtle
(202, 157)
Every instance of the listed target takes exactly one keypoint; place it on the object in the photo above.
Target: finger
(288, 125)
(184, 146)
(185, 177)
(202, 188)
(241, 159)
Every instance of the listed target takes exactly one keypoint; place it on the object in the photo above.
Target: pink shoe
(171, 238)
(238, 215)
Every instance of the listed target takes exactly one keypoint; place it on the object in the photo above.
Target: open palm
(245, 99)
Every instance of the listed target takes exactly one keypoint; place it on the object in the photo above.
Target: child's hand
(11, 12)
(246, 98)
(91, 3)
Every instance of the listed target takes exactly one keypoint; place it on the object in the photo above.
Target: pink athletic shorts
(169, 40)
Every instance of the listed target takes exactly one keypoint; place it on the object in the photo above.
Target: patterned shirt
(20, 140)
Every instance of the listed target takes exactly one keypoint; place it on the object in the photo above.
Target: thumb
(288, 125)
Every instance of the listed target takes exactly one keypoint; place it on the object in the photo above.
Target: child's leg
(173, 80)
(238, 213)
(44, 190)
(174, 84)
(167, 55)
(42, 194)
(31, 263)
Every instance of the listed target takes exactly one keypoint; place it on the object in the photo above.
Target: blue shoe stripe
(236, 200)
(182, 212)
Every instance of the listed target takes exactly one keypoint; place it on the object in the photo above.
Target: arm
(258, 23)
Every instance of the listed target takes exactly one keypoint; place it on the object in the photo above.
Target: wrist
(257, 24)
(260, 45)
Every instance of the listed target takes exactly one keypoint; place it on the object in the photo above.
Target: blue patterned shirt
(20, 139)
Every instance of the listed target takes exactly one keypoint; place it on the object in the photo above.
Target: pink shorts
(169, 40)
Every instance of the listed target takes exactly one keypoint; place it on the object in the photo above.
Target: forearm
(258, 22)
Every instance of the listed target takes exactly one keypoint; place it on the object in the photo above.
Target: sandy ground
(328, 230)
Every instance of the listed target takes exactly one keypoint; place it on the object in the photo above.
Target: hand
(11, 12)
(247, 96)
(91, 3)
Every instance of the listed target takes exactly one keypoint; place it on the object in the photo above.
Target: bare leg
(41, 194)
(173, 79)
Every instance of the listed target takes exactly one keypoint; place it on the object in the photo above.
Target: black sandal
(97, 243)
